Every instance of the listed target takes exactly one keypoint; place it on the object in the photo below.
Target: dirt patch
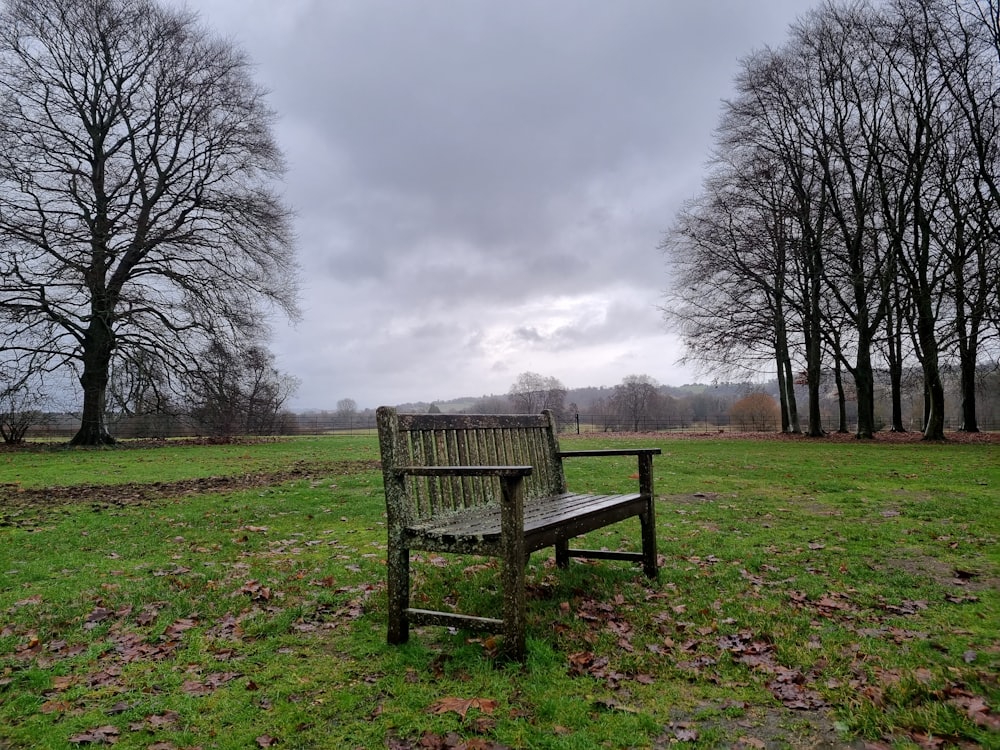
(106, 495)
(945, 575)
(766, 728)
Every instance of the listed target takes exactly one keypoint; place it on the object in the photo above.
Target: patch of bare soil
(766, 728)
(107, 495)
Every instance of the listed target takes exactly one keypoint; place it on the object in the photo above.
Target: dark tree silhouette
(136, 202)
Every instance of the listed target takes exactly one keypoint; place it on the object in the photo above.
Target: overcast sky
(481, 186)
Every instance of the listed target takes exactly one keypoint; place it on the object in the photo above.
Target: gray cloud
(481, 186)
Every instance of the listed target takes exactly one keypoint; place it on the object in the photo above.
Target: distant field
(232, 596)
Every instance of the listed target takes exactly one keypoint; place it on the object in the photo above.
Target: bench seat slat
(544, 518)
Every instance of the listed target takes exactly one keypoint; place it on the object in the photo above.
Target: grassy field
(812, 594)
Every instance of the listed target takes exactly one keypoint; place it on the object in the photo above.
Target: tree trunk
(968, 375)
(813, 342)
(795, 427)
(786, 380)
(934, 388)
(864, 385)
(841, 398)
(967, 328)
(97, 347)
(894, 346)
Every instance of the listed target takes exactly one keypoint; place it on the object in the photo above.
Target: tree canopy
(849, 217)
(139, 220)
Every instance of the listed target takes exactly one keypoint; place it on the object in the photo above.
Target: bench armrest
(645, 456)
(464, 471)
(612, 452)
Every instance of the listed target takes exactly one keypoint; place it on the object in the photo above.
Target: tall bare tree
(137, 209)
(532, 392)
(635, 398)
(240, 392)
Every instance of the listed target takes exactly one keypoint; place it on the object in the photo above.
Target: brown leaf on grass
(266, 740)
(119, 708)
(789, 688)
(157, 722)
(131, 648)
(209, 684)
(31, 648)
(148, 616)
(55, 707)
(975, 707)
(461, 706)
(106, 735)
(228, 628)
(104, 678)
(177, 627)
(450, 741)
(96, 617)
(63, 682)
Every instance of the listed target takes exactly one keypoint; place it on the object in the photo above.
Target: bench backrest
(463, 440)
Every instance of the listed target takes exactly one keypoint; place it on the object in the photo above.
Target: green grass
(56, 465)
(809, 591)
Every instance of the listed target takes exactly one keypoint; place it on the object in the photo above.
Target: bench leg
(648, 522)
(398, 586)
(514, 611)
(512, 566)
(562, 554)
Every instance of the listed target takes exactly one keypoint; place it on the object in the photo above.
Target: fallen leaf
(461, 706)
(106, 735)
(55, 707)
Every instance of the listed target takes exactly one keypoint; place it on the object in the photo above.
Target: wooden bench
(492, 485)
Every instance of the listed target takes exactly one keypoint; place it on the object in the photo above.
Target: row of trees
(142, 243)
(634, 401)
(849, 221)
(640, 403)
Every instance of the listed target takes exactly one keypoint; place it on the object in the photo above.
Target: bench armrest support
(645, 456)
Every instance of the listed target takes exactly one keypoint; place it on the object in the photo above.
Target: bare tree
(136, 207)
(532, 392)
(240, 392)
(347, 409)
(20, 402)
(635, 398)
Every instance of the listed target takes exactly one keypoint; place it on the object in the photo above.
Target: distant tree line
(636, 404)
(849, 221)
